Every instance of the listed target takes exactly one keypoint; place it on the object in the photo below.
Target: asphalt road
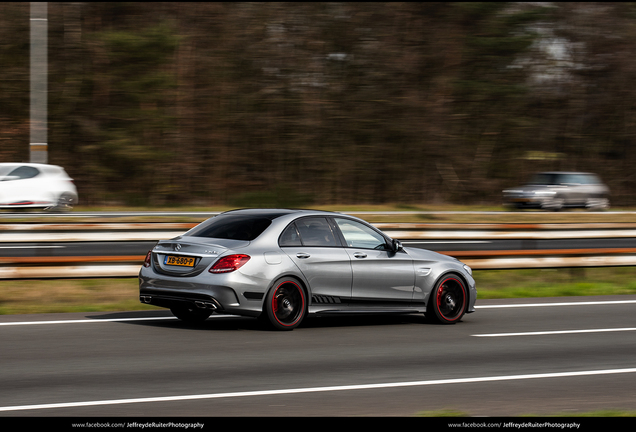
(491, 364)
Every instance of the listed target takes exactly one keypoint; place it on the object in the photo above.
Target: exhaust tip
(205, 305)
(145, 299)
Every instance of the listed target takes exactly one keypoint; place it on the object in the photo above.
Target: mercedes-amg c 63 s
(284, 264)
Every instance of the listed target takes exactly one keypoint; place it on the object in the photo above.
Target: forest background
(294, 104)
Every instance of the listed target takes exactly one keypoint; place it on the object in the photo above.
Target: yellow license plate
(179, 261)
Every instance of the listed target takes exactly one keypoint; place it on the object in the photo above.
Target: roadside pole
(38, 146)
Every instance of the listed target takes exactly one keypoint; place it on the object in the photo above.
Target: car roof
(34, 165)
(285, 216)
(275, 213)
(563, 172)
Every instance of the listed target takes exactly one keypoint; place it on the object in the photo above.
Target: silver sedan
(281, 265)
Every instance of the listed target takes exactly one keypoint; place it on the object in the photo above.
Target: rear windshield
(231, 227)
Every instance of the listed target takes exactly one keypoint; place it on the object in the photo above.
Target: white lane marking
(83, 321)
(32, 247)
(101, 320)
(539, 333)
(583, 303)
(315, 389)
(445, 242)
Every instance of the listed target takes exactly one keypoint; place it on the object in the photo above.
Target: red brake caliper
(275, 304)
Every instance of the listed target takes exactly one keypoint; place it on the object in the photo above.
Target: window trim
(337, 232)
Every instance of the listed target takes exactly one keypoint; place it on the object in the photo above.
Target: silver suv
(556, 190)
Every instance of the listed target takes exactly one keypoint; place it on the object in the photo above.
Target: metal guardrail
(71, 232)
(526, 258)
(40, 232)
(128, 266)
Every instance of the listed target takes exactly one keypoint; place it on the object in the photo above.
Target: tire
(597, 204)
(555, 204)
(64, 203)
(286, 304)
(448, 301)
(191, 315)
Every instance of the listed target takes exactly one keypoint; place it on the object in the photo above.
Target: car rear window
(231, 227)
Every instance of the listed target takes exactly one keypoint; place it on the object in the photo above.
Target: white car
(30, 185)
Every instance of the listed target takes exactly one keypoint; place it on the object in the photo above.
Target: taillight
(147, 260)
(229, 263)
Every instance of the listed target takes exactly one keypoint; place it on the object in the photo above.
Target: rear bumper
(174, 292)
(178, 300)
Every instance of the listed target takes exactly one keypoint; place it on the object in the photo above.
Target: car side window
(589, 179)
(290, 237)
(358, 235)
(23, 172)
(315, 231)
(572, 179)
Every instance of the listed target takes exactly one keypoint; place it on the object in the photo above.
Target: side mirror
(396, 246)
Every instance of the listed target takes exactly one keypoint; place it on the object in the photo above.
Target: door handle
(302, 255)
(360, 255)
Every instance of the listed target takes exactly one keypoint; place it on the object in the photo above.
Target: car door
(575, 188)
(591, 190)
(380, 275)
(311, 243)
(583, 189)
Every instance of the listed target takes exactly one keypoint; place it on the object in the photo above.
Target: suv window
(544, 179)
(590, 179)
(568, 179)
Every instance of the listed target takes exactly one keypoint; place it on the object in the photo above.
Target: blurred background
(294, 104)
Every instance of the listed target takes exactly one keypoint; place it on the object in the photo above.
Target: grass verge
(69, 295)
(101, 295)
(494, 284)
